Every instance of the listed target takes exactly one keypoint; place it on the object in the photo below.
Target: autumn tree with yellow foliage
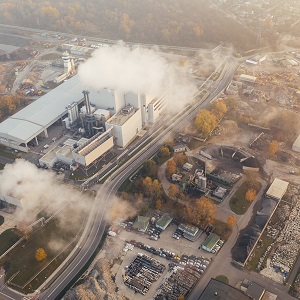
(273, 147)
(40, 254)
(250, 195)
(171, 167)
(201, 213)
(231, 221)
(205, 121)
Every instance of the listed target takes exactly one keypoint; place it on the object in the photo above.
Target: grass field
(54, 238)
(8, 238)
(264, 243)
(238, 203)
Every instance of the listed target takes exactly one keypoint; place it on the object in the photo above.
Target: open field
(8, 238)
(238, 203)
(56, 238)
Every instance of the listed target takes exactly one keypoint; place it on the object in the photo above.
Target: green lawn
(53, 238)
(260, 249)
(8, 238)
(238, 203)
(222, 278)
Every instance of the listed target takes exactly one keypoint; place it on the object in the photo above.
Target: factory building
(126, 124)
(94, 148)
(248, 78)
(277, 189)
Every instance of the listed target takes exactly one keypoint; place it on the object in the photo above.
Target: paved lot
(9, 221)
(181, 246)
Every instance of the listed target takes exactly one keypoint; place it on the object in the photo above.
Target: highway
(96, 223)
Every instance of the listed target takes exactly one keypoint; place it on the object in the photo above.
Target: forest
(190, 23)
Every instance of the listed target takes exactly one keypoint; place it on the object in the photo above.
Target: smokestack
(87, 102)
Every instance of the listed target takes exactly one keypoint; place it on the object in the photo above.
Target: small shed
(164, 221)
(188, 229)
(141, 223)
(210, 242)
(277, 189)
(179, 148)
(187, 167)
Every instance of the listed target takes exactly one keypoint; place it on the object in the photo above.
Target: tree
(205, 121)
(158, 204)
(198, 30)
(202, 212)
(232, 104)
(181, 297)
(180, 159)
(171, 167)
(164, 151)
(231, 221)
(219, 109)
(126, 23)
(273, 147)
(147, 186)
(250, 195)
(40, 254)
(152, 189)
(150, 168)
(173, 190)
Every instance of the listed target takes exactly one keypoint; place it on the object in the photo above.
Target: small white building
(179, 148)
(277, 189)
(296, 145)
(187, 167)
(248, 78)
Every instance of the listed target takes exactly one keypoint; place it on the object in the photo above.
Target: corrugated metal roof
(277, 188)
(43, 112)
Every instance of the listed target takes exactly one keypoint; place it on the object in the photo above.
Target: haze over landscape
(149, 149)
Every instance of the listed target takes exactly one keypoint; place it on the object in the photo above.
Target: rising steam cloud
(38, 189)
(140, 70)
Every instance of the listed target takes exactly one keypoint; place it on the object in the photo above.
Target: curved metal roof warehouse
(32, 120)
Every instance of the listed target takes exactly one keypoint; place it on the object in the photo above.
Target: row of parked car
(180, 283)
(142, 272)
(198, 264)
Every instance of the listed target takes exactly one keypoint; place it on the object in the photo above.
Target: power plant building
(126, 124)
(94, 148)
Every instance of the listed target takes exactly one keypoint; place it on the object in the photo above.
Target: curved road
(96, 223)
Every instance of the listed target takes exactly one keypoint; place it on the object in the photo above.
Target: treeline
(8, 105)
(175, 22)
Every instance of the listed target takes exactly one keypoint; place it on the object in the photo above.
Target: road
(96, 223)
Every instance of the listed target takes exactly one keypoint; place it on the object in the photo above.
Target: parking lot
(188, 252)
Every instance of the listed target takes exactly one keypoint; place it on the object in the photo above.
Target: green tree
(164, 152)
(150, 168)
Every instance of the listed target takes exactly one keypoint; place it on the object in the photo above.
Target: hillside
(191, 23)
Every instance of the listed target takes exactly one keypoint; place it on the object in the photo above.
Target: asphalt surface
(96, 223)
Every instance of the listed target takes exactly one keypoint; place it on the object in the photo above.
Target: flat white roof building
(247, 78)
(277, 189)
(296, 145)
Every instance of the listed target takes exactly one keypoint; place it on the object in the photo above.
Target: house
(164, 221)
(141, 223)
(179, 148)
(210, 242)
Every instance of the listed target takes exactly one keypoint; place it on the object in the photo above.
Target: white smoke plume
(141, 70)
(37, 190)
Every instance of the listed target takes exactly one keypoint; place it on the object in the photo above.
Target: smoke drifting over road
(141, 70)
(38, 190)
